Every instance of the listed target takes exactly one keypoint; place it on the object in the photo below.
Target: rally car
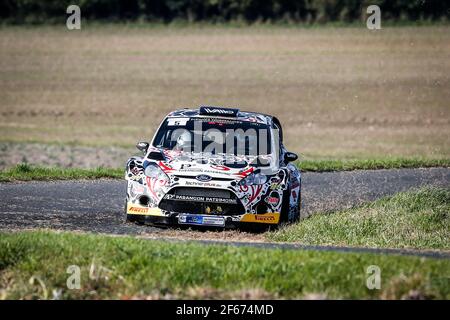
(214, 166)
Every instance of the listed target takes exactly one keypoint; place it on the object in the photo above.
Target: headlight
(155, 172)
(252, 179)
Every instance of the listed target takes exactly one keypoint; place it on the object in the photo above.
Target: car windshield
(214, 135)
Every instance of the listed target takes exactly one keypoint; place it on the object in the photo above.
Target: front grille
(203, 201)
(213, 179)
(202, 192)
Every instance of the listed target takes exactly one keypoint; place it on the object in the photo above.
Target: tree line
(218, 11)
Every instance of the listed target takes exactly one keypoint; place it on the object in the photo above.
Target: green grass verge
(414, 219)
(34, 265)
(370, 164)
(26, 172)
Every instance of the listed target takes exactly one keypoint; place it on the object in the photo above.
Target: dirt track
(97, 206)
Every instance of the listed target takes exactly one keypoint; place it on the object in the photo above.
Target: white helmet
(184, 140)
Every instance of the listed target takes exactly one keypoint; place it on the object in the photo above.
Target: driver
(184, 142)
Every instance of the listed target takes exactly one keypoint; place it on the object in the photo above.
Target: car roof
(236, 114)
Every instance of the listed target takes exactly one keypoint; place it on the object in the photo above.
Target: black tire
(284, 214)
(285, 208)
(126, 217)
(298, 209)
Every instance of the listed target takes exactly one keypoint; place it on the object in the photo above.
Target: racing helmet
(184, 141)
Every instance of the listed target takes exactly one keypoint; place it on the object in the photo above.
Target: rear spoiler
(218, 111)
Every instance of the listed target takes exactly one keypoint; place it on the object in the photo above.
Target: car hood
(215, 165)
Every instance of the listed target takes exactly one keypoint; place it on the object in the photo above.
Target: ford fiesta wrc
(216, 167)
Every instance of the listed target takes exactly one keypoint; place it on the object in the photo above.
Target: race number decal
(177, 121)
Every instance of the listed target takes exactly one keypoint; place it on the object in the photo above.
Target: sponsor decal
(224, 170)
(183, 198)
(207, 110)
(245, 173)
(220, 200)
(220, 121)
(224, 111)
(273, 199)
(201, 220)
(220, 167)
(133, 209)
(202, 184)
(264, 218)
(178, 197)
(165, 168)
(137, 210)
(203, 178)
(177, 121)
(294, 194)
(270, 218)
(213, 221)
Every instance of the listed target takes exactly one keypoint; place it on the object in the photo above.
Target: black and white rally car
(214, 166)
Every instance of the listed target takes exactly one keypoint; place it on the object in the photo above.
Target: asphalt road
(97, 206)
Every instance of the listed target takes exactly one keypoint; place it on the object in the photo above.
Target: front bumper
(157, 216)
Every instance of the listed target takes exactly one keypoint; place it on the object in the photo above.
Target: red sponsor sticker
(219, 167)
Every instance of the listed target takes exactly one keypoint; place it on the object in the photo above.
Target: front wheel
(125, 216)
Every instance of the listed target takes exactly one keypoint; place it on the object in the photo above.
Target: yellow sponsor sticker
(271, 218)
(140, 210)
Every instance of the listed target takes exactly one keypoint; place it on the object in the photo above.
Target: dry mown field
(341, 93)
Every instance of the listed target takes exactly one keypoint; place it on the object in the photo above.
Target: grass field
(341, 93)
(24, 172)
(416, 219)
(27, 172)
(34, 265)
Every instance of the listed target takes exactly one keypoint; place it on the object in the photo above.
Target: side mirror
(143, 146)
(290, 156)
